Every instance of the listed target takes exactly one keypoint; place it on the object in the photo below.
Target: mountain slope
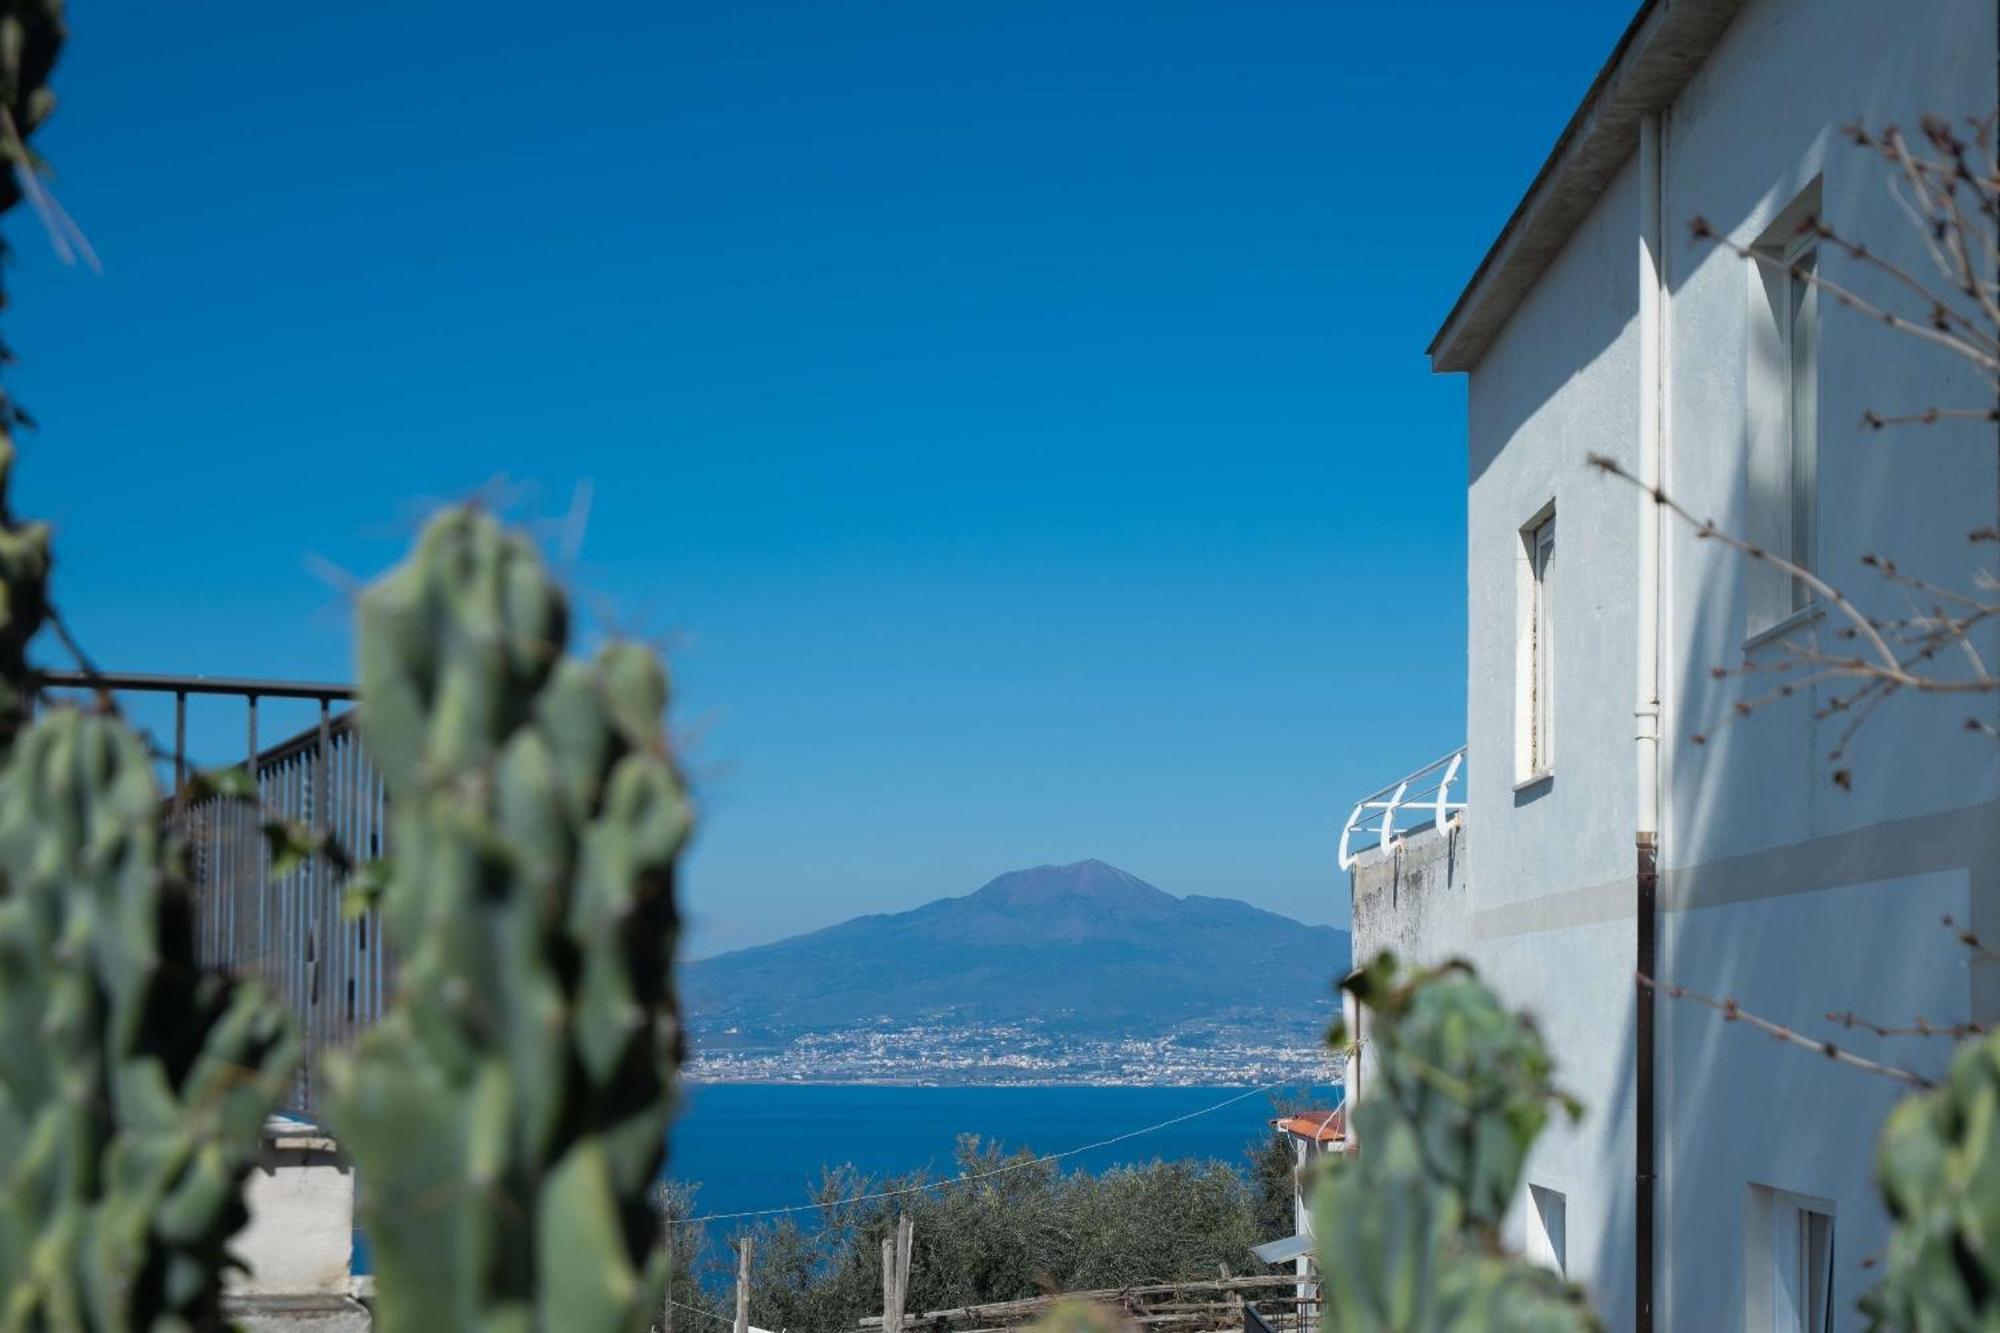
(1085, 949)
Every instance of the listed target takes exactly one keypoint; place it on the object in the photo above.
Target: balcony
(287, 929)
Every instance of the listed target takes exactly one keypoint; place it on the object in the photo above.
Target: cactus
(1938, 1165)
(1409, 1226)
(133, 1085)
(24, 602)
(509, 1114)
(31, 37)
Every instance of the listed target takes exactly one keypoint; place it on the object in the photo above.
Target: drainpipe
(1646, 715)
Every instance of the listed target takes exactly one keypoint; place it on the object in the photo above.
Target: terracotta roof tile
(1319, 1126)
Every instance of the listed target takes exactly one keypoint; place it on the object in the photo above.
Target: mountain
(1081, 950)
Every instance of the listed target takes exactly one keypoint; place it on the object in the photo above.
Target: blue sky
(1012, 418)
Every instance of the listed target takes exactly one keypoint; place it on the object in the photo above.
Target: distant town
(1014, 1053)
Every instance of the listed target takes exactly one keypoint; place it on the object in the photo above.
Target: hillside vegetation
(1025, 1229)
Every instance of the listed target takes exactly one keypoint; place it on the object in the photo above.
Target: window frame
(1548, 1229)
(1790, 1262)
(1782, 426)
(1799, 334)
(1535, 689)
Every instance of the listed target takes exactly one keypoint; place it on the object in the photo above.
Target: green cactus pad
(133, 1085)
(1409, 1225)
(509, 1115)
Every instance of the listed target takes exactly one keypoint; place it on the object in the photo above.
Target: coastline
(688, 1080)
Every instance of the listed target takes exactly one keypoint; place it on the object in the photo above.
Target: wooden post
(892, 1309)
(743, 1285)
(896, 1273)
(667, 1290)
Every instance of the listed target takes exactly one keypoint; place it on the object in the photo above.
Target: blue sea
(755, 1146)
(758, 1145)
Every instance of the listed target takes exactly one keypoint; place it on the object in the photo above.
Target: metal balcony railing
(287, 929)
(1282, 1314)
(1418, 800)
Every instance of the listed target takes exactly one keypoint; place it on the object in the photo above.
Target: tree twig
(1732, 1012)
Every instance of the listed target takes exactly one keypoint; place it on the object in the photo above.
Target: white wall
(1557, 386)
(1741, 1110)
(1783, 890)
(1759, 123)
(1551, 922)
(299, 1237)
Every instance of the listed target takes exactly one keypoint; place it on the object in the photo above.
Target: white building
(1719, 1181)
(1311, 1136)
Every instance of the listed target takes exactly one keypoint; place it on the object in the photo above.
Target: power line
(996, 1171)
(696, 1309)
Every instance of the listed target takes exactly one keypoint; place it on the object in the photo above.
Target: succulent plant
(508, 1116)
(24, 602)
(133, 1084)
(1938, 1165)
(1409, 1225)
(31, 37)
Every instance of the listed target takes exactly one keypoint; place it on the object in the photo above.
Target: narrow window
(1802, 1271)
(1536, 659)
(1784, 412)
(1802, 404)
(1791, 1274)
(1548, 1229)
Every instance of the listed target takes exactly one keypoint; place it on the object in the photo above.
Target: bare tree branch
(1919, 1027)
(1733, 1012)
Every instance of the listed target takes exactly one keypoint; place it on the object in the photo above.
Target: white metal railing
(1427, 793)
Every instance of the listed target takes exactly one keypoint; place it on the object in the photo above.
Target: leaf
(364, 891)
(227, 784)
(291, 844)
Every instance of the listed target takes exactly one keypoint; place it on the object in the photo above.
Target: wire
(996, 1171)
(696, 1309)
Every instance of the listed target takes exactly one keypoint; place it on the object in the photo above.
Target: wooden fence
(1263, 1301)
(1179, 1307)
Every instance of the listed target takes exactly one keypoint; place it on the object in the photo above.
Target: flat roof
(1663, 46)
(1283, 1251)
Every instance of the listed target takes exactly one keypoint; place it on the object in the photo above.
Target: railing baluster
(180, 752)
(333, 974)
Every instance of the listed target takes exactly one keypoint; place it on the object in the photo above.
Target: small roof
(1662, 49)
(1319, 1126)
(1283, 1251)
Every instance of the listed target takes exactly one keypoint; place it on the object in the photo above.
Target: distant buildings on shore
(1020, 1054)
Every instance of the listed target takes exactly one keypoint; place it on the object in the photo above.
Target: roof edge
(1663, 46)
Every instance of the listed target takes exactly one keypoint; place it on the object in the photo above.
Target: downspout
(1646, 716)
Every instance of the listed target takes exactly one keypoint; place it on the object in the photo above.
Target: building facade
(1717, 1180)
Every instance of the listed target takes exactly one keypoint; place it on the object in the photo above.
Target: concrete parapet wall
(298, 1247)
(1414, 899)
